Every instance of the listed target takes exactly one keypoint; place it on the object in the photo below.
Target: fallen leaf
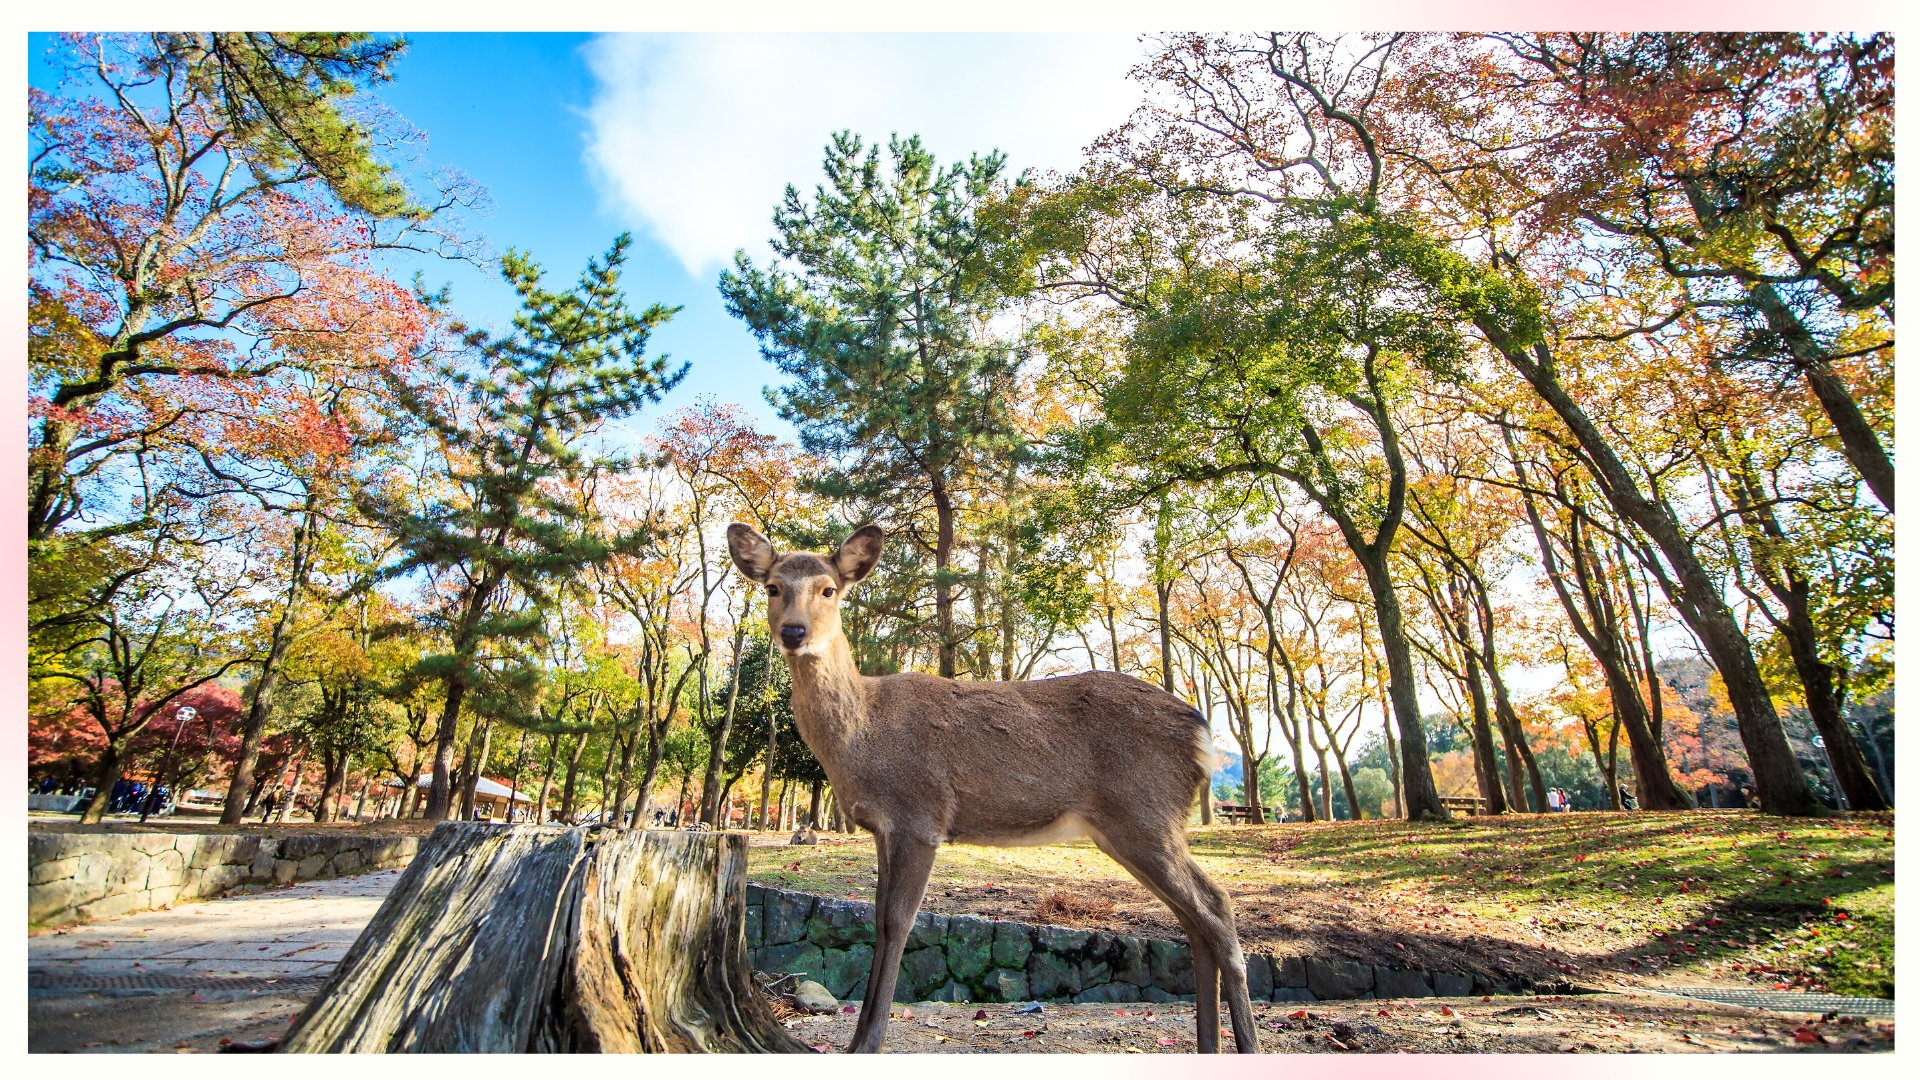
(1803, 1035)
(979, 1014)
(1297, 1014)
(1163, 1042)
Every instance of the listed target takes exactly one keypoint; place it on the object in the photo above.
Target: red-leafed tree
(201, 213)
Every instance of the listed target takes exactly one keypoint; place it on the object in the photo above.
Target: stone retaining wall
(968, 958)
(73, 876)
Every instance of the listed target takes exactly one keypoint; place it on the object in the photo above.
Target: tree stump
(545, 939)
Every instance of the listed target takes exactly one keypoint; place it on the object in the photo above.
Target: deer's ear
(751, 552)
(857, 556)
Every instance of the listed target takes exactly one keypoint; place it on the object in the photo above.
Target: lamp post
(182, 716)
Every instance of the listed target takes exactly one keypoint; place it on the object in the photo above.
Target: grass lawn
(1716, 897)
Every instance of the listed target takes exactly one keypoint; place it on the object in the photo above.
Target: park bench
(1236, 814)
(1472, 804)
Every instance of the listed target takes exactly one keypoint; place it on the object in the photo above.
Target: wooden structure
(1472, 804)
(492, 799)
(545, 939)
(1237, 814)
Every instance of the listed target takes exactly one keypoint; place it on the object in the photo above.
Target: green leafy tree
(157, 625)
(883, 326)
(510, 438)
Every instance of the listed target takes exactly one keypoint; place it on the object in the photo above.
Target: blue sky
(687, 141)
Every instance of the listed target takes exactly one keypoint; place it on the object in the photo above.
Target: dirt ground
(181, 1022)
(1600, 1023)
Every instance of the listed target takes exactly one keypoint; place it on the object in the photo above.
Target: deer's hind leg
(1160, 861)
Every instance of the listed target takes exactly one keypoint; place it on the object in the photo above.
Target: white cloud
(695, 136)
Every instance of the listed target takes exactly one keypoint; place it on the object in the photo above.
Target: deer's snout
(792, 636)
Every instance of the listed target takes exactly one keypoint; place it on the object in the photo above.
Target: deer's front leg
(905, 864)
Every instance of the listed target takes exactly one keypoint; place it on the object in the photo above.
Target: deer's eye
(828, 591)
(773, 590)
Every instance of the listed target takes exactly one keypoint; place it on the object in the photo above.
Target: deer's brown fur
(922, 761)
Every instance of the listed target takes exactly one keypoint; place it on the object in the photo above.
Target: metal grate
(42, 980)
(1785, 1001)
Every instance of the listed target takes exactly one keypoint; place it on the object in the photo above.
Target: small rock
(814, 998)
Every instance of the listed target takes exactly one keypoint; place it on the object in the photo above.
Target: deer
(920, 761)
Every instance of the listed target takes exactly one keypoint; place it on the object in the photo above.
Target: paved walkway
(236, 968)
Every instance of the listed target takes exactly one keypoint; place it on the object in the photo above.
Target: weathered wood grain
(531, 938)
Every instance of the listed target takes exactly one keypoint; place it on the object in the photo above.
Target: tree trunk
(440, 795)
(333, 779)
(476, 764)
(573, 778)
(113, 760)
(626, 747)
(293, 786)
(1823, 684)
(1516, 737)
(1858, 441)
(1486, 765)
(1607, 763)
(1695, 595)
(1418, 794)
(636, 945)
(1346, 778)
(1870, 730)
(1599, 630)
(546, 778)
(519, 760)
(942, 588)
(268, 681)
(1826, 704)
(717, 750)
(656, 749)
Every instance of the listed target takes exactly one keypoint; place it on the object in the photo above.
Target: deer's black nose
(793, 635)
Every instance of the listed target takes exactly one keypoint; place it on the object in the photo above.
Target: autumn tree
(191, 198)
(1483, 154)
(1750, 168)
(159, 625)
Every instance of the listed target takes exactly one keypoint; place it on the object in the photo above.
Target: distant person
(268, 803)
(1553, 800)
(1627, 801)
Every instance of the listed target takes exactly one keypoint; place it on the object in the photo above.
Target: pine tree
(884, 330)
(508, 518)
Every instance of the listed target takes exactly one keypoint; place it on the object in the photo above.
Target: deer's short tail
(1203, 749)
